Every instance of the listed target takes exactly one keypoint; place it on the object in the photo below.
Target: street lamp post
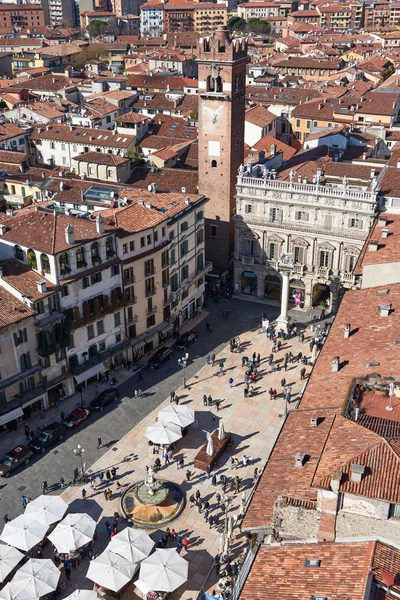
(183, 363)
(80, 452)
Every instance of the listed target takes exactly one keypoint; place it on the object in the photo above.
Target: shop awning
(89, 373)
(13, 414)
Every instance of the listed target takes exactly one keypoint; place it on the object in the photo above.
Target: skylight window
(125, 140)
(100, 136)
(84, 133)
(312, 562)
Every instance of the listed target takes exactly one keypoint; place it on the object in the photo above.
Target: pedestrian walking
(113, 472)
(214, 480)
(218, 499)
(27, 432)
(258, 359)
(208, 471)
(109, 494)
(101, 476)
(185, 543)
(67, 572)
(172, 396)
(230, 381)
(105, 494)
(205, 514)
(283, 383)
(212, 359)
(6, 519)
(108, 475)
(176, 399)
(271, 393)
(210, 400)
(217, 404)
(62, 482)
(302, 337)
(99, 443)
(173, 535)
(199, 506)
(140, 392)
(302, 373)
(237, 484)
(208, 359)
(192, 500)
(211, 521)
(255, 474)
(205, 401)
(188, 475)
(140, 376)
(45, 487)
(83, 494)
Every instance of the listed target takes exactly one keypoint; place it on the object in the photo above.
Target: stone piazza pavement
(254, 424)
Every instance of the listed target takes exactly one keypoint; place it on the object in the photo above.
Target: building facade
(222, 80)
(320, 228)
(152, 19)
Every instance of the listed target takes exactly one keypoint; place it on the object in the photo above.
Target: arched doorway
(249, 283)
(272, 287)
(321, 295)
(297, 292)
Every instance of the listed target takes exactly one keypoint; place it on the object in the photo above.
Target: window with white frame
(328, 222)
(275, 215)
(355, 223)
(250, 247)
(298, 255)
(273, 250)
(324, 258)
(301, 215)
(350, 262)
(248, 208)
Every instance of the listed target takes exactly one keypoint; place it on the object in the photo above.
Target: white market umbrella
(47, 509)
(75, 531)
(12, 591)
(111, 571)
(23, 532)
(221, 542)
(134, 544)
(82, 595)
(226, 546)
(314, 353)
(230, 526)
(38, 576)
(9, 558)
(221, 430)
(164, 570)
(210, 446)
(179, 415)
(163, 433)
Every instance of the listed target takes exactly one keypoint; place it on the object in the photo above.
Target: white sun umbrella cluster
(111, 570)
(163, 433)
(47, 509)
(9, 558)
(23, 532)
(135, 544)
(179, 415)
(38, 577)
(82, 595)
(75, 531)
(164, 570)
(12, 591)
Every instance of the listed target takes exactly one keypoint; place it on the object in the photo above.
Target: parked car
(185, 339)
(104, 398)
(159, 357)
(77, 416)
(20, 455)
(50, 434)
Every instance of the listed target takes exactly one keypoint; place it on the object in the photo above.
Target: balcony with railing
(148, 271)
(167, 300)
(77, 368)
(151, 311)
(132, 319)
(129, 300)
(323, 272)
(150, 292)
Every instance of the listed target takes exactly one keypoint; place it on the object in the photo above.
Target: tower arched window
(64, 262)
(80, 258)
(95, 252)
(214, 164)
(19, 253)
(45, 263)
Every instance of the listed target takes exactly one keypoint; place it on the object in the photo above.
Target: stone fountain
(152, 502)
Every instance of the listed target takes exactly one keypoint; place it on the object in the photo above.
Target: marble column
(282, 320)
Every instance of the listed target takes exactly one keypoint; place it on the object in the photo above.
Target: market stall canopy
(23, 532)
(179, 415)
(75, 531)
(9, 558)
(111, 570)
(38, 576)
(134, 544)
(12, 591)
(164, 570)
(82, 595)
(47, 509)
(163, 433)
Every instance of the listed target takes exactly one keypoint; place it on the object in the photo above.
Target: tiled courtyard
(254, 424)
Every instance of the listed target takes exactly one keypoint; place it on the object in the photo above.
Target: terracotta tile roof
(51, 82)
(308, 63)
(99, 107)
(137, 216)
(378, 103)
(275, 95)
(12, 310)
(385, 428)
(24, 280)
(9, 157)
(45, 231)
(10, 7)
(266, 142)
(101, 158)
(132, 117)
(167, 180)
(65, 49)
(388, 248)
(259, 116)
(322, 109)
(83, 135)
(343, 572)
(8, 131)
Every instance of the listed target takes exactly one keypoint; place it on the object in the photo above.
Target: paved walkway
(254, 423)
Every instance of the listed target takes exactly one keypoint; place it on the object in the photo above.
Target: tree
(96, 28)
(135, 155)
(236, 24)
(256, 25)
(88, 53)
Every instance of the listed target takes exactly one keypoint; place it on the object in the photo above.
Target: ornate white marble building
(321, 227)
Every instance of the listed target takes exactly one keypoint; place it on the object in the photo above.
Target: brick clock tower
(222, 80)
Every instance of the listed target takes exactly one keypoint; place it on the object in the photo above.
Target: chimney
(69, 235)
(356, 473)
(347, 331)
(187, 201)
(42, 286)
(373, 246)
(364, 156)
(1, 272)
(148, 205)
(385, 309)
(300, 459)
(336, 478)
(372, 174)
(398, 164)
(183, 190)
(273, 149)
(3, 229)
(314, 422)
(335, 364)
(61, 185)
(100, 224)
(385, 233)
